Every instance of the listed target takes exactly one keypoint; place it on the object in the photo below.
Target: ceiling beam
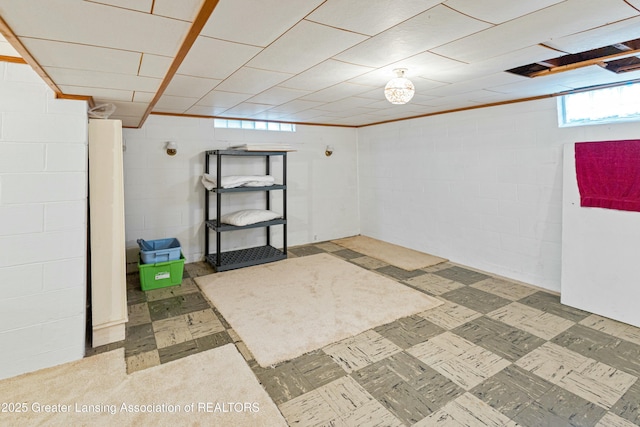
(13, 59)
(196, 27)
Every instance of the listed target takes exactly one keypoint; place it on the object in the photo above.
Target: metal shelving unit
(222, 261)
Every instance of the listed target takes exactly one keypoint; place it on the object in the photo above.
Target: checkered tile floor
(496, 353)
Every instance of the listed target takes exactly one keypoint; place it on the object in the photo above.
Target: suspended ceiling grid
(310, 61)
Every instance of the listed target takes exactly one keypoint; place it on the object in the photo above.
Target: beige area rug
(399, 256)
(285, 309)
(215, 387)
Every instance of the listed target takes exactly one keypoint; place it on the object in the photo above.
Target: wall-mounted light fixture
(328, 151)
(172, 148)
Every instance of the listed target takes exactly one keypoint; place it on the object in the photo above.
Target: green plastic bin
(161, 274)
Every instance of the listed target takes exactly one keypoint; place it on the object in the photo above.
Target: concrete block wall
(43, 224)
(165, 198)
(480, 187)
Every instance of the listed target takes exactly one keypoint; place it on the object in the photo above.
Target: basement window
(253, 125)
(610, 105)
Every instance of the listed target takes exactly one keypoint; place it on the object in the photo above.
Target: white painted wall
(480, 187)
(164, 196)
(43, 195)
(600, 250)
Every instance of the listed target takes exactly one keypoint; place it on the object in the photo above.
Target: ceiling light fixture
(399, 90)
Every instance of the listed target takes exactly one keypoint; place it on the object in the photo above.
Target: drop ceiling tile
(215, 59)
(325, 74)
(497, 79)
(527, 55)
(367, 17)
(337, 92)
(268, 115)
(94, 24)
(106, 94)
(174, 104)
(303, 46)
(278, 95)
(423, 64)
(616, 32)
(205, 111)
(559, 20)
(128, 109)
(218, 98)
(418, 99)
(498, 11)
(139, 5)
(185, 10)
(634, 3)
(432, 28)
(530, 87)
(154, 65)
(246, 109)
(298, 116)
(352, 104)
(374, 94)
(129, 122)
(296, 106)
(98, 79)
(194, 87)
(252, 81)
(145, 97)
(256, 23)
(588, 76)
(488, 97)
(83, 57)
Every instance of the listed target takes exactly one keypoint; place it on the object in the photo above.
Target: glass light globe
(399, 90)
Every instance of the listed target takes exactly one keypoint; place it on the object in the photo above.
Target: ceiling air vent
(617, 58)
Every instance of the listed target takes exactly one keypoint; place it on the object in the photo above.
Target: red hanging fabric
(608, 174)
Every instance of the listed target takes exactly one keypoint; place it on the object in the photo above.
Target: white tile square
(362, 350)
(534, 321)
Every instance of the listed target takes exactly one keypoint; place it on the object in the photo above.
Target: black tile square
(605, 348)
(409, 331)
(135, 295)
(550, 303)
(475, 299)
(347, 254)
(318, 368)
(511, 390)
(559, 407)
(306, 250)
(139, 339)
(506, 341)
(197, 269)
(175, 306)
(283, 382)
(399, 273)
(628, 407)
(177, 351)
(212, 341)
(461, 275)
(408, 388)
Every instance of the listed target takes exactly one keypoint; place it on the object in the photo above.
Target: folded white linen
(232, 181)
(249, 216)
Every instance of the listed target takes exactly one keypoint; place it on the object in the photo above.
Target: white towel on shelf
(263, 146)
(232, 181)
